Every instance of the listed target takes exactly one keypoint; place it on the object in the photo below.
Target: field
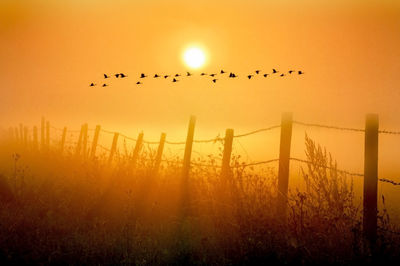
(67, 209)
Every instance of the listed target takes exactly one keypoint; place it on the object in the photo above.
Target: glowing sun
(194, 57)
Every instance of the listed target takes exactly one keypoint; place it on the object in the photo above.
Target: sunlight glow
(194, 57)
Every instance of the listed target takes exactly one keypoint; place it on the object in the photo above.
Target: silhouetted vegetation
(61, 209)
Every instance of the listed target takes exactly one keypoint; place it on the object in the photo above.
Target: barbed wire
(327, 126)
(326, 167)
(107, 131)
(389, 132)
(344, 128)
(384, 180)
(257, 131)
(128, 138)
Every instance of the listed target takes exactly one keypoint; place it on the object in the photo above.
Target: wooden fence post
(47, 135)
(79, 144)
(95, 141)
(226, 157)
(26, 137)
(21, 133)
(186, 210)
(188, 148)
(113, 147)
(159, 153)
(63, 137)
(136, 151)
(85, 141)
(371, 177)
(42, 135)
(17, 138)
(284, 160)
(35, 138)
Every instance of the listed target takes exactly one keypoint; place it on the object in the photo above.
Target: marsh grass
(59, 209)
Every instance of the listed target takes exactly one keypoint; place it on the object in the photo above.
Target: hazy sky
(51, 50)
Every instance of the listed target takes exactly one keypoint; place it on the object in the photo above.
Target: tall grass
(59, 209)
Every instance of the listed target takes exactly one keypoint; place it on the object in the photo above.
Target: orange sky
(51, 50)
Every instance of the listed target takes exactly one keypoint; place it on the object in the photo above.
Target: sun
(194, 57)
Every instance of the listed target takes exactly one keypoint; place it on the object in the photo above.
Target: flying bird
(257, 72)
(105, 85)
(175, 80)
(213, 75)
(214, 80)
(274, 71)
(142, 76)
(203, 74)
(92, 84)
(301, 72)
(138, 83)
(166, 76)
(122, 75)
(282, 75)
(249, 76)
(105, 76)
(265, 75)
(222, 71)
(189, 74)
(116, 75)
(232, 75)
(291, 71)
(156, 76)
(177, 75)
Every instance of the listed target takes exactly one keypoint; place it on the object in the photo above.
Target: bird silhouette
(290, 71)
(257, 72)
(122, 75)
(175, 80)
(222, 71)
(105, 85)
(203, 74)
(116, 75)
(214, 80)
(92, 84)
(274, 71)
(282, 75)
(265, 75)
(232, 75)
(213, 75)
(177, 75)
(156, 76)
(188, 74)
(142, 76)
(249, 76)
(301, 72)
(105, 76)
(166, 76)
(138, 83)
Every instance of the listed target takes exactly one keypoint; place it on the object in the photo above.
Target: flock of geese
(177, 77)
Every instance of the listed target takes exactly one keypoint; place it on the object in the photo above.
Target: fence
(371, 132)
